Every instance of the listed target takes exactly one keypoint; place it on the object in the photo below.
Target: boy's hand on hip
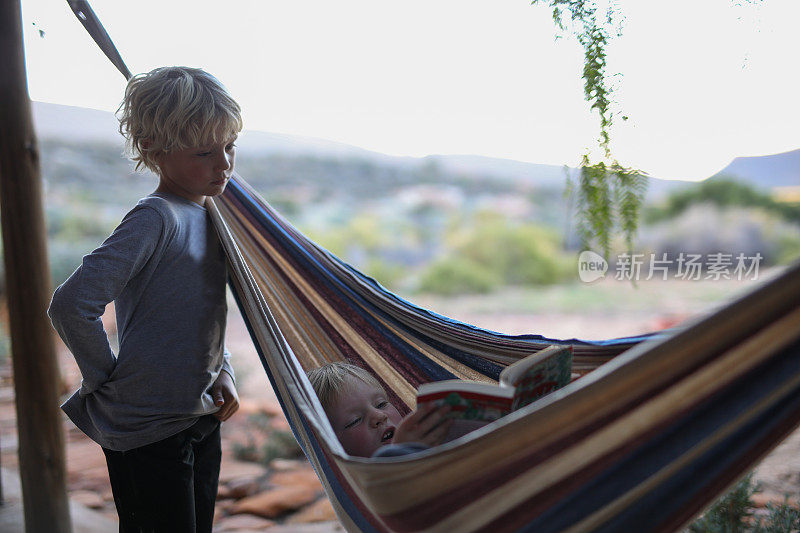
(225, 396)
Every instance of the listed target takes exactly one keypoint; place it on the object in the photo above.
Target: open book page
(469, 400)
(520, 384)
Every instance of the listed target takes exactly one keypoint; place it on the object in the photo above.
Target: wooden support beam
(36, 375)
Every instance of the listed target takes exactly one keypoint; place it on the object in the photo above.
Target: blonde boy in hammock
(364, 420)
(156, 406)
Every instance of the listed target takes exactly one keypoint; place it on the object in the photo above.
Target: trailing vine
(608, 196)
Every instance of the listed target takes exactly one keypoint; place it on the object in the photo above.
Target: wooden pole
(36, 375)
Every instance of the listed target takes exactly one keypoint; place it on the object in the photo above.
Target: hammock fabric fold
(654, 430)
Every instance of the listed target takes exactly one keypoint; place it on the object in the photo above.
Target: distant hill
(476, 165)
(265, 143)
(777, 170)
(75, 124)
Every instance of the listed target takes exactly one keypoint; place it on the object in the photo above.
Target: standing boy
(155, 407)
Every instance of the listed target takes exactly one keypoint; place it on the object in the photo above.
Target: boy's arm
(79, 302)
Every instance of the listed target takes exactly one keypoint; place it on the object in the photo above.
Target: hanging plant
(608, 196)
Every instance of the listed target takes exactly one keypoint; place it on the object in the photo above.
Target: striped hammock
(657, 427)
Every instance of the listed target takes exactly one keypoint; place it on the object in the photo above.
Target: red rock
(281, 465)
(280, 424)
(86, 465)
(242, 487)
(762, 499)
(275, 502)
(10, 457)
(87, 498)
(668, 321)
(73, 433)
(223, 492)
(318, 527)
(267, 406)
(303, 477)
(319, 511)
(233, 469)
(223, 508)
(242, 522)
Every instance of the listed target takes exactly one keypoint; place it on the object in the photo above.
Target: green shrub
(707, 229)
(516, 254)
(384, 272)
(782, 518)
(280, 445)
(788, 249)
(276, 443)
(724, 192)
(5, 344)
(65, 257)
(69, 225)
(733, 513)
(730, 514)
(456, 275)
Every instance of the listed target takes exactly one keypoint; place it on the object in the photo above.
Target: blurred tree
(724, 192)
(457, 275)
(493, 251)
(522, 254)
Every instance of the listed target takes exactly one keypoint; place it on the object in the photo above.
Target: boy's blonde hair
(330, 379)
(174, 108)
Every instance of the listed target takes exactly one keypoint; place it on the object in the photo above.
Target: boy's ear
(146, 146)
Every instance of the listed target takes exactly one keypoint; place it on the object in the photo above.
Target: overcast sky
(701, 81)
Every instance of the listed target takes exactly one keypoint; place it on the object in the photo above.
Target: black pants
(170, 485)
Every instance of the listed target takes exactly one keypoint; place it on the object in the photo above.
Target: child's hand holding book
(427, 425)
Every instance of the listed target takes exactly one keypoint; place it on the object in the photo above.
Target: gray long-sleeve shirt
(165, 270)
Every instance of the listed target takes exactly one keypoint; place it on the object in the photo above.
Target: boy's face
(362, 418)
(195, 173)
